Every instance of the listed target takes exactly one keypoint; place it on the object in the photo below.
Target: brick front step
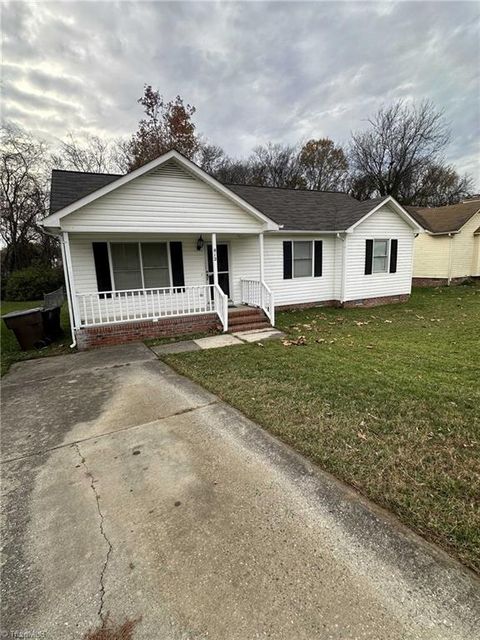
(250, 326)
(246, 316)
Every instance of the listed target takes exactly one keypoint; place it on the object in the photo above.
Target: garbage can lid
(23, 312)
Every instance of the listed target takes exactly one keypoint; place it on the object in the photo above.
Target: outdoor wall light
(200, 243)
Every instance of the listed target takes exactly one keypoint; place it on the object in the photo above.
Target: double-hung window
(302, 259)
(140, 265)
(380, 256)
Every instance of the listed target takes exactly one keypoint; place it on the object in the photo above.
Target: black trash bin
(52, 303)
(27, 326)
(51, 323)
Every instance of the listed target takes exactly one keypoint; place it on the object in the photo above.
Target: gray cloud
(255, 71)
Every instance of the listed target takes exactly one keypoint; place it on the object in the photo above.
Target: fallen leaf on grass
(369, 346)
(301, 340)
(361, 435)
(388, 321)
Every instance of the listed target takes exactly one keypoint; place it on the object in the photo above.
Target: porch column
(214, 258)
(262, 258)
(69, 272)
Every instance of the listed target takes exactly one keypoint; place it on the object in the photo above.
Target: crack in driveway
(102, 531)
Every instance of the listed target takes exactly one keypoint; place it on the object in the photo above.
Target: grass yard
(387, 399)
(10, 351)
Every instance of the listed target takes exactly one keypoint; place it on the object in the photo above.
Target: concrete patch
(214, 342)
(257, 335)
(176, 347)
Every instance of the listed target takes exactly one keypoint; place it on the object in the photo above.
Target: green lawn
(387, 399)
(10, 351)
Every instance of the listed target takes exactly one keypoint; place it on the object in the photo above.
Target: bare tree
(401, 141)
(211, 158)
(436, 186)
(323, 165)
(275, 165)
(91, 154)
(23, 194)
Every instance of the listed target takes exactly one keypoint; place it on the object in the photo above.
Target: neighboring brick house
(449, 250)
(168, 249)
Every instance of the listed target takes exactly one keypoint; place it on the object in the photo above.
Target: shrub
(32, 283)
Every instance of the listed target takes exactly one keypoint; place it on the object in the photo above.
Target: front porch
(170, 324)
(207, 291)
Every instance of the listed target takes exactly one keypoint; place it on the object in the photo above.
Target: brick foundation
(307, 305)
(437, 282)
(362, 302)
(375, 302)
(101, 336)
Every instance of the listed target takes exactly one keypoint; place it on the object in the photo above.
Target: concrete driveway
(132, 492)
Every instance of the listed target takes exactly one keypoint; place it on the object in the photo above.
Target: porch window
(302, 259)
(380, 256)
(138, 265)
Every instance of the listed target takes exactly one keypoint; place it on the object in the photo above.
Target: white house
(167, 249)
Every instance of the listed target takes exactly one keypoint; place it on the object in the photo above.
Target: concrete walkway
(221, 340)
(130, 491)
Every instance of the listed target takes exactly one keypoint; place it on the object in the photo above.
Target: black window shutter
(176, 258)
(318, 258)
(368, 256)
(393, 255)
(287, 260)
(102, 266)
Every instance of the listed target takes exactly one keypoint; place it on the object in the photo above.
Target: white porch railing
(221, 305)
(111, 307)
(257, 294)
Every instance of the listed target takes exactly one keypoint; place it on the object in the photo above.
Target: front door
(222, 264)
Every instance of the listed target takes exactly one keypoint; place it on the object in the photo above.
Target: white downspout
(450, 258)
(262, 269)
(69, 295)
(67, 285)
(343, 282)
(68, 263)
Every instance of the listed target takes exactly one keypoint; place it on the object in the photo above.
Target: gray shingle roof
(295, 209)
(69, 186)
(302, 210)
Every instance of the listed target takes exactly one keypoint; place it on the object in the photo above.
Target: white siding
(383, 224)
(244, 254)
(298, 290)
(165, 200)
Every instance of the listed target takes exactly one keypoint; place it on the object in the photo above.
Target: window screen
(155, 265)
(128, 259)
(302, 259)
(126, 265)
(380, 256)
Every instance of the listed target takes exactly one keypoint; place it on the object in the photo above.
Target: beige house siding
(446, 256)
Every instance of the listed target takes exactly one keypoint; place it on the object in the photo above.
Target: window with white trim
(380, 256)
(140, 265)
(302, 258)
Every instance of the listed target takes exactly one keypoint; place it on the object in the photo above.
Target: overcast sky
(255, 71)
